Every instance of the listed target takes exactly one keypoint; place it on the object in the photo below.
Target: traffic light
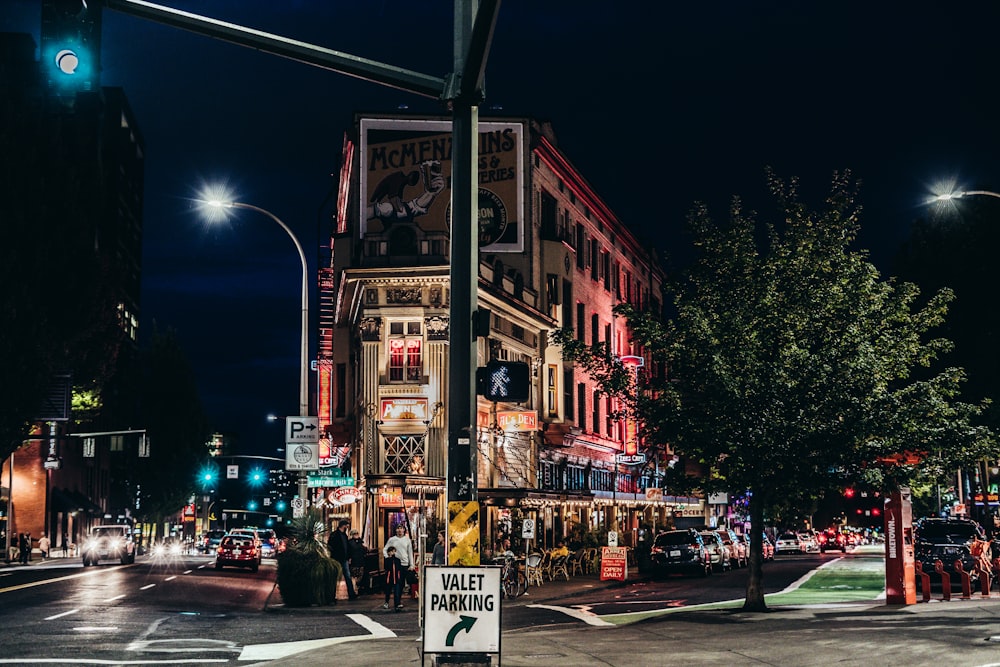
(508, 381)
(71, 46)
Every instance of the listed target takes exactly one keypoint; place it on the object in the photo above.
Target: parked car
(680, 551)
(767, 547)
(739, 555)
(832, 540)
(718, 555)
(808, 544)
(946, 540)
(238, 549)
(787, 543)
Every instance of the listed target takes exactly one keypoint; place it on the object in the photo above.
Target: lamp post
(948, 196)
(222, 204)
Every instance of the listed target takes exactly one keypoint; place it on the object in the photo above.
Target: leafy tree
(791, 364)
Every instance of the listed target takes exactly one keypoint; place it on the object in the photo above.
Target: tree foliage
(791, 363)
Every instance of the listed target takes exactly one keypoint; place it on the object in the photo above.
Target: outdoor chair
(590, 560)
(559, 568)
(575, 563)
(533, 569)
(546, 565)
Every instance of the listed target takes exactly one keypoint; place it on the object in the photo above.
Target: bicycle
(513, 582)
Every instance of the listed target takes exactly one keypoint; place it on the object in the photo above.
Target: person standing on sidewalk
(403, 547)
(43, 546)
(340, 551)
(394, 577)
(25, 546)
(438, 556)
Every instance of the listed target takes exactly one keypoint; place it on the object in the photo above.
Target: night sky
(657, 104)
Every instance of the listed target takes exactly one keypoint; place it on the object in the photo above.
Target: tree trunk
(755, 581)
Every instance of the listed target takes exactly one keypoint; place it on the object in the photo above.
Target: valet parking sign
(461, 609)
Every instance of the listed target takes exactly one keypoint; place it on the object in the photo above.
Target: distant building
(552, 255)
(81, 151)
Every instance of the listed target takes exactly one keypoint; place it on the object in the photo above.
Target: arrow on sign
(465, 623)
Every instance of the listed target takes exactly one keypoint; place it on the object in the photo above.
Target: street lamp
(948, 196)
(225, 205)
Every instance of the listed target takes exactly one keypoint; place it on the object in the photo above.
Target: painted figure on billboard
(388, 202)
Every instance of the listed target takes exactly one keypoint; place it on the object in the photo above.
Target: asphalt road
(185, 612)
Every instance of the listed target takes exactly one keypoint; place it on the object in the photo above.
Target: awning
(71, 501)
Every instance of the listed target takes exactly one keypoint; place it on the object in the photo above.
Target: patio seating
(559, 568)
(533, 569)
(575, 562)
(590, 560)
(546, 565)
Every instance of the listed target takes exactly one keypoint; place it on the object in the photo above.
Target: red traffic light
(848, 492)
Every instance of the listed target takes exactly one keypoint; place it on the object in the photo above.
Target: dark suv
(680, 551)
(946, 540)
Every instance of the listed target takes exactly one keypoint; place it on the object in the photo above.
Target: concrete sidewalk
(867, 632)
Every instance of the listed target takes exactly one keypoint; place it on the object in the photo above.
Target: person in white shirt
(404, 552)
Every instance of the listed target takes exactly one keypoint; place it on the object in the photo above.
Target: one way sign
(301, 430)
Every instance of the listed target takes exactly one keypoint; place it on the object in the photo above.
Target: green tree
(791, 364)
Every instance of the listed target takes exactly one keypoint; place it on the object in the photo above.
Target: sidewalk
(868, 633)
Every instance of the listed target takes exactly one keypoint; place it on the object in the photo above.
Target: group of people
(22, 544)
(400, 566)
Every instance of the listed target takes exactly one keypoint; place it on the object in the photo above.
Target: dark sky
(658, 104)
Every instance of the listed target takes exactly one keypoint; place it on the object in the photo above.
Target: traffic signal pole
(462, 90)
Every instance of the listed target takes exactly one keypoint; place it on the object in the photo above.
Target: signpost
(302, 443)
(461, 609)
(614, 563)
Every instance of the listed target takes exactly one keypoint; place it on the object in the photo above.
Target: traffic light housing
(71, 46)
(507, 381)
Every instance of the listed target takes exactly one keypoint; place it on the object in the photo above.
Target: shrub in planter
(306, 573)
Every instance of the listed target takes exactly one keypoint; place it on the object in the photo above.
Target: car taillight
(656, 550)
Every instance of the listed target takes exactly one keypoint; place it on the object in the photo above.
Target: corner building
(551, 255)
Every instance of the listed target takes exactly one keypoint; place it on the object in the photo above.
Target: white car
(109, 543)
(787, 543)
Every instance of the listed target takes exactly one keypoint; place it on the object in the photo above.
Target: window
(549, 216)
(552, 384)
(595, 327)
(581, 249)
(568, 394)
(597, 415)
(580, 331)
(606, 269)
(581, 406)
(595, 260)
(405, 351)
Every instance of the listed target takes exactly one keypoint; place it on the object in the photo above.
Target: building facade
(551, 255)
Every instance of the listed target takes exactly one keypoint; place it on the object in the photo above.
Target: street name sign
(461, 609)
(302, 429)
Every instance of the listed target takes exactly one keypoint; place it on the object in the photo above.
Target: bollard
(945, 580)
(966, 582)
(984, 581)
(925, 581)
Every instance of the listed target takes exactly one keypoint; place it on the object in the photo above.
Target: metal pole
(303, 486)
(462, 353)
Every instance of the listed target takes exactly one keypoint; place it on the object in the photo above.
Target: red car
(238, 550)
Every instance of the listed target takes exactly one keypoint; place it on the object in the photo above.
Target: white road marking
(65, 613)
(146, 587)
(187, 571)
(171, 578)
(96, 628)
(49, 581)
(117, 597)
(587, 617)
(285, 649)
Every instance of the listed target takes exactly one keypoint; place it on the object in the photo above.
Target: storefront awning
(516, 497)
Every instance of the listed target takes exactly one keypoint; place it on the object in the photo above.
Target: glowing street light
(224, 205)
(949, 196)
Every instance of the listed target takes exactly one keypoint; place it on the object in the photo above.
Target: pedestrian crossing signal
(504, 381)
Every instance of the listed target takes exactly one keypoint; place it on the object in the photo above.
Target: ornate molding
(404, 295)
(437, 327)
(370, 329)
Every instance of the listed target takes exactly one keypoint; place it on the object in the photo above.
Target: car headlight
(175, 550)
(90, 545)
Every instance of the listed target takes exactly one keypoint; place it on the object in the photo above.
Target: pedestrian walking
(340, 551)
(437, 557)
(358, 554)
(395, 575)
(43, 546)
(404, 551)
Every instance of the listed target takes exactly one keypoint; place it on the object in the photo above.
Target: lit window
(405, 352)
